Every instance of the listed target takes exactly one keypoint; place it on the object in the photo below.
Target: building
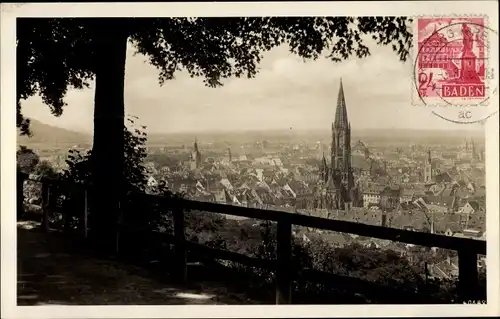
(360, 149)
(406, 195)
(470, 149)
(437, 52)
(195, 156)
(336, 189)
(371, 195)
(470, 207)
(428, 169)
(389, 198)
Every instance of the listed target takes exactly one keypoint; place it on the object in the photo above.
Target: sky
(287, 92)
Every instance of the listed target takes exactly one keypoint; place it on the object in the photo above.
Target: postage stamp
(451, 63)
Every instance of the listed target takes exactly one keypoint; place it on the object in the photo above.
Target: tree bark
(108, 144)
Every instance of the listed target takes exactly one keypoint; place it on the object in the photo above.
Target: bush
(79, 169)
(78, 172)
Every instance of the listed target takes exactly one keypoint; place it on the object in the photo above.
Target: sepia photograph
(194, 160)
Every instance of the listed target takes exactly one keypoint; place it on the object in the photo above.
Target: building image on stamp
(451, 59)
(248, 161)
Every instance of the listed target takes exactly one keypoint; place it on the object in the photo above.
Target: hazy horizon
(283, 130)
(287, 92)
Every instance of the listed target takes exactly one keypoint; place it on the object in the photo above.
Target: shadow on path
(50, 272)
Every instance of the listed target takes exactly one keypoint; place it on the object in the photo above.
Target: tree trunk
(108, 147)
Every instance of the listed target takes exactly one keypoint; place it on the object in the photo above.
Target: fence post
(180, 243)
(21, 177)
(467, 276)
(69, 206)
(45, 205)
(85, 213)
(119, 226)
(283, 272)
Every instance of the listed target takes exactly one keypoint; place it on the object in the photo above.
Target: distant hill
(48, 136)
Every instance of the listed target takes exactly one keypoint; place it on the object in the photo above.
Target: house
(472, 233)
(389, 198)
(199, 186)
(479, 193)
(436, 189)
(443, 178)
(226, 183)
(237, 201)
(263, 185)
(470, 207)
(406, 195)
(404, 178)
(371, 195)
(289, 191)
(440, 203)
(277, 162)
(446, 269)
(445, 222)
(223, 197)
(448, 232)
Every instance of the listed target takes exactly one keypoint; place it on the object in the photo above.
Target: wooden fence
(468, 249)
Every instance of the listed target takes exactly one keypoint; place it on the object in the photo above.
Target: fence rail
(467, 249)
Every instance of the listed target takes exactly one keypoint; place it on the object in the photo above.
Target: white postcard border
(9, 12)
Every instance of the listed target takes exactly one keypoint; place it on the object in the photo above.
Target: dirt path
(48, 273)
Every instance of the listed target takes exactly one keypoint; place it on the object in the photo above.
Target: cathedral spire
(341, 120)
(324, 169)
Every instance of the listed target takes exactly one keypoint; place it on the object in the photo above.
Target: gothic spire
(341, 120)
(324, 169)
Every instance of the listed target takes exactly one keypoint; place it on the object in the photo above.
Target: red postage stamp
(451, 64)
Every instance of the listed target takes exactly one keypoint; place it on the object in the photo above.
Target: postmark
(452, 70)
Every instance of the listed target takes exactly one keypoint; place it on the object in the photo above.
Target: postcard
(277, 159)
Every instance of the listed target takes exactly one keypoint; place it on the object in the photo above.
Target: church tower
(341, 180)
(196, 155)
(428, 169)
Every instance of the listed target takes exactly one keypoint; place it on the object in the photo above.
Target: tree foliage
(29, 162)
(57, 54)
(79, 163)
(45, 169)
(27, 159)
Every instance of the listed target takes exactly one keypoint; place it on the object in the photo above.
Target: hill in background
(46, 136)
